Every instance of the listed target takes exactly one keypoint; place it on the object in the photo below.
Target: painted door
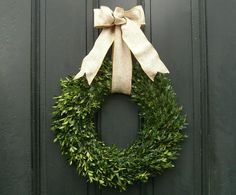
(42, 41)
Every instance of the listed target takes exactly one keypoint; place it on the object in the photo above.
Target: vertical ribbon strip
(122, 29)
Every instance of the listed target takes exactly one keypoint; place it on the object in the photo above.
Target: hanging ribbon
(123, 29)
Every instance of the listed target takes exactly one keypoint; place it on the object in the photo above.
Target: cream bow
(122, 28)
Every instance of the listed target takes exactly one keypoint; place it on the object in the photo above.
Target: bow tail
(122, 65)
(93, 61)
(142, 49)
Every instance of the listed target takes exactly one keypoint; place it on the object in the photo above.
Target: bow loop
(136, 14)
(103, 17)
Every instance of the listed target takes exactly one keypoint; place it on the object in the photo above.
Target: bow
(122, 29)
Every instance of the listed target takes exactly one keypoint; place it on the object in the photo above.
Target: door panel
(172, 36)
(15, 97)
(65, 44)
(222, 89)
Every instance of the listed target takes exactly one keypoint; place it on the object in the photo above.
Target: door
(42, 41)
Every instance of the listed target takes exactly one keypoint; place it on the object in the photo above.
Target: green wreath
(157, 143)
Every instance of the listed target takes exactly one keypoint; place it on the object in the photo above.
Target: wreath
(157, 143)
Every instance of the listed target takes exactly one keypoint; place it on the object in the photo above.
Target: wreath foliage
(155, 148)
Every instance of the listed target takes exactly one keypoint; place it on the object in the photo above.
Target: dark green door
(42, 41)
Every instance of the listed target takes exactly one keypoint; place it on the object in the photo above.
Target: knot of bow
(105, 17)
(122, 29)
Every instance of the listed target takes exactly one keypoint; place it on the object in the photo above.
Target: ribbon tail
(122, 65)
(142, 49)
(93, 61)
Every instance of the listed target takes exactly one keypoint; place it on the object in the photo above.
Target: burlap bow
(122, 28)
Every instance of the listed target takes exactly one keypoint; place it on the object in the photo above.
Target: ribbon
(122, 29)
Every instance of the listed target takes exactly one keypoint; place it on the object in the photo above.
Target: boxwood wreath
(155, 148)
